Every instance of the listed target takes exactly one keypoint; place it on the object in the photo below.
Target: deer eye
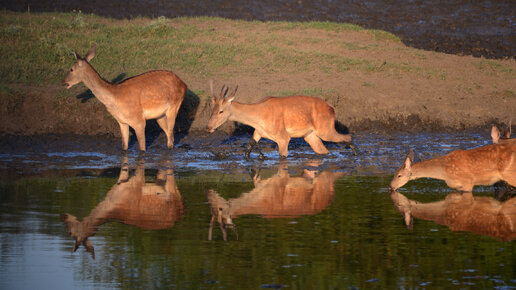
(221, 112)
(399, 175)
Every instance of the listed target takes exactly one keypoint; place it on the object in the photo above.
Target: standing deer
(279, 196)
(279, 119)
(463, 212)
(463, 169)
(151, 95)
(132, 201)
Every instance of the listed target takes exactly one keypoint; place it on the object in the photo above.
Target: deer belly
(298, 132)
(153, 113)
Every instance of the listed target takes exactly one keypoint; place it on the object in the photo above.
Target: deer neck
(248, 114)
(430, 168)
(98, 86)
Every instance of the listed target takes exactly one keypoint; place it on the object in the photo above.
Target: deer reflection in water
(280, 196)
(463, 212)
(132, 201)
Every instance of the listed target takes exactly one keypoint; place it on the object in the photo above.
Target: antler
(223, 92)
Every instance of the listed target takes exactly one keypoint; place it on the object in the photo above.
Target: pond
(188, 219)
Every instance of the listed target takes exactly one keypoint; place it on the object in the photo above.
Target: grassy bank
(367, 75)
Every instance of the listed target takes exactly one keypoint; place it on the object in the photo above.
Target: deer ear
(411, 155)
(507, 133)
(91, 53)
(230, 100)
(495, 134)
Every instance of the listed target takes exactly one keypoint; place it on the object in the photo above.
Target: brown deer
(463, 212)
(280, 196)
(132, 201)
(463, 169)
(152, 95)
(279, 119)
(502, 189)
(498, 137)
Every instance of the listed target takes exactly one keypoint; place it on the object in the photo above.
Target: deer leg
(124, 130)
(140, 135)
(315, 142)
(252, 144)
(334, 136)
(210, 230)
(283, 147)
(162, 122)
(171, 122)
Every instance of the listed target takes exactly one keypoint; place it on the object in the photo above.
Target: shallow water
(305, 223)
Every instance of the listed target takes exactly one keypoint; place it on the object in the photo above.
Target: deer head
(403, 174)
(77, 71)
(220, 107)
(80, 231)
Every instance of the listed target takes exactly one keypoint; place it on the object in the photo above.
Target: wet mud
(378, 154)
(478, 28)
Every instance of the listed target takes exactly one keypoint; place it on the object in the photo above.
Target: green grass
(38, 48)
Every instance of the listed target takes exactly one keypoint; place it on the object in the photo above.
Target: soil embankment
(373, 82)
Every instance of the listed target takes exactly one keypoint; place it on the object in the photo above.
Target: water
(306, 223)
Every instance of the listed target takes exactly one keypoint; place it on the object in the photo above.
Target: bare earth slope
(373, 82)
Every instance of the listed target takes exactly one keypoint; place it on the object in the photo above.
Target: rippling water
(305, 223)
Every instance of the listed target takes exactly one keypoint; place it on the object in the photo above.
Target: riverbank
(374, 81)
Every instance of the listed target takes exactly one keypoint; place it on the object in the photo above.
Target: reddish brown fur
(152, 95)
(281, 118)
(277, 197)
(464, 212)
(132, 201)
(463, 169)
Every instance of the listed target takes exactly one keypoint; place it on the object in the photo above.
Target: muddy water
(144, 222)
(479, 28)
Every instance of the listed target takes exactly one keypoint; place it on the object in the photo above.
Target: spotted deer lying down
(463, 212)
(152, 95)
(279, 119)
(132, 201)
(463, 169)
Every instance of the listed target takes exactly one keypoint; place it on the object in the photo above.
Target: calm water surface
(306, 223)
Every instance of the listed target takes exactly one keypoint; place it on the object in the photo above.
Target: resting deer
(279, 119)
(498, 137)
(463, 169)
(279, 196)
(151, 95)
(463, 212)
(131, 201)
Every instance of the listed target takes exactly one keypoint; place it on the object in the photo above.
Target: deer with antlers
(279, 119)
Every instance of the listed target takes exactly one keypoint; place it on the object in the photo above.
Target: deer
(280, 196)
(462, 169)
(463, 212)
(156, 94)
(132, 201)
(498, 137)
(502, 189)
(279, 119)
